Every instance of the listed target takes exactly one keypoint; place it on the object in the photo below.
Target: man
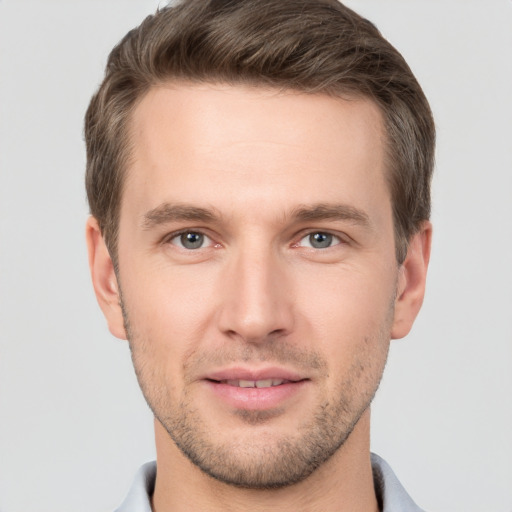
(258, 176)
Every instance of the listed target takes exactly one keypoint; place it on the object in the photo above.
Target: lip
(255, 399)
(240, 373)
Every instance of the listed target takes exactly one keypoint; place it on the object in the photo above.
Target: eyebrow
(167, 212)
(323, 211)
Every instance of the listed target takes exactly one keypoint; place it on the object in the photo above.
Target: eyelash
(178, 234)
(334, 239)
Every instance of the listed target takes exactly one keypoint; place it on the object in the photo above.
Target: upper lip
(240, 373)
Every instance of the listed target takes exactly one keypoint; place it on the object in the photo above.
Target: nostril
(277, 332)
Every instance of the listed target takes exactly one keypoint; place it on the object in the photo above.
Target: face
(257, 274)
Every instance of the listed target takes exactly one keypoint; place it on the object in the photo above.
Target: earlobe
(411, 281)
(104, 278)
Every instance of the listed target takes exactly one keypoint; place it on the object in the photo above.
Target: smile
(264, 383)
(257, 392)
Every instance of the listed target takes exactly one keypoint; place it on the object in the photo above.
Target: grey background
(73, 425)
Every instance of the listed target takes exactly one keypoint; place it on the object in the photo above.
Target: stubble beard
(265, 461)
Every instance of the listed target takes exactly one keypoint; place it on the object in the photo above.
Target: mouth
(262, 383)
(256, 390)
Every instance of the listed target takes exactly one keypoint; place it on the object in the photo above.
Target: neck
(343, 483)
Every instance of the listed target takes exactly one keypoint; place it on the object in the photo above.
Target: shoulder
(390, 492)
(139, 497)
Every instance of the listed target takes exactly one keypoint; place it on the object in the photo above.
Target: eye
(190, 240)
(319, 240)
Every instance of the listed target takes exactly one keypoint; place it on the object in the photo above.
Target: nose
(257, 297)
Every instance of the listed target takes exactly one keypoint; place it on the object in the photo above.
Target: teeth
(246, 384)
(264, 383)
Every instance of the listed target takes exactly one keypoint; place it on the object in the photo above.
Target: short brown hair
(313, 46)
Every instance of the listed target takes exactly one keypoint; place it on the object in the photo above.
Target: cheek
(346, 300)
(168, 311)
(349, 316)
(165, 294)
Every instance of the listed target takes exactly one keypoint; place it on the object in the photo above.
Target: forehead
(217, 143)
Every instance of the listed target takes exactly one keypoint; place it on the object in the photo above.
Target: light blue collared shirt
(393, 496)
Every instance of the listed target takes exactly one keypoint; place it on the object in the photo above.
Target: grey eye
(190, 240)
(319, 240)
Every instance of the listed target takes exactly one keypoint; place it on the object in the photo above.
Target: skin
(258, 173)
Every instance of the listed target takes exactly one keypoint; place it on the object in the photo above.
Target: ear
(411, 281)
(104, 278)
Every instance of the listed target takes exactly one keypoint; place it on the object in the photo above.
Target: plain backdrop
(74, 427)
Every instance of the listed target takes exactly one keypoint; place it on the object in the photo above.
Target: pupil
(320, 240)
(192, 240)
